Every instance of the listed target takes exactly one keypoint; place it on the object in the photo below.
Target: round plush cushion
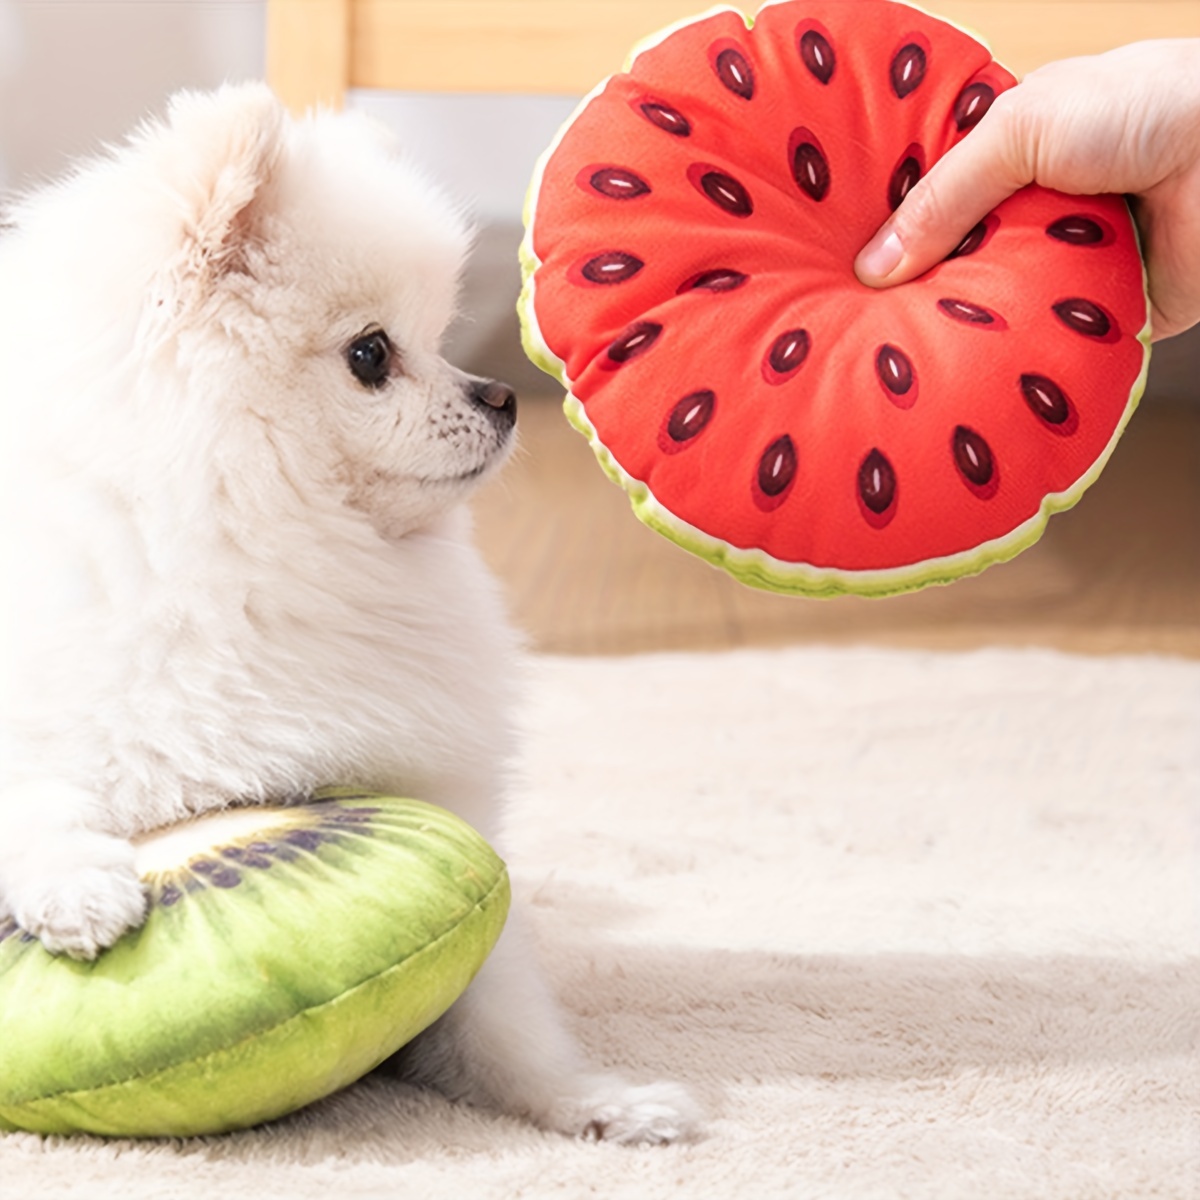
(286, 953)
(689, 257)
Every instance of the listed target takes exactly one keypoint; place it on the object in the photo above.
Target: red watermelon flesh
(689, 277)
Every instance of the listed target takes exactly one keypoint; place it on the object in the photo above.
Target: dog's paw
(79, 896)
(612, 1110)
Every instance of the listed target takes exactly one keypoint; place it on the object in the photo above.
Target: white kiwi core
(168, 849)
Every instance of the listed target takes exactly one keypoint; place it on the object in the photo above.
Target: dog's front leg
(70, 885)
(504, 1045)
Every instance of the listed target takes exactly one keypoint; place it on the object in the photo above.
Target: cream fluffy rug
(910, 925)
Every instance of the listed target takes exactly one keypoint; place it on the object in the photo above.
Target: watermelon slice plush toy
(688, 261)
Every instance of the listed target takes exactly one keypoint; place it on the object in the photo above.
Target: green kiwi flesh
(287, 951)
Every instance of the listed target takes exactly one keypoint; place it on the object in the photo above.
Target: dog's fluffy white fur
(233, 571)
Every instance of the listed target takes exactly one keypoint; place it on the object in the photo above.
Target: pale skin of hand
(1127, 122)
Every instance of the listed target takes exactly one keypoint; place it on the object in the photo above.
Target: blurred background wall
(75, 73)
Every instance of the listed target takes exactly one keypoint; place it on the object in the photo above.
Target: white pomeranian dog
(236, 562)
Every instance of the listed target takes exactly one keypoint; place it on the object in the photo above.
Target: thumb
(961, 188)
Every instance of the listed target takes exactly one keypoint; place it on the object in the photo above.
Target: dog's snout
(491, 393)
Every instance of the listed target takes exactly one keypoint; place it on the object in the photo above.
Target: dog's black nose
(499, 397)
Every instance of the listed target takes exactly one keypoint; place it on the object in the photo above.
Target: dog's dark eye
(370, 358)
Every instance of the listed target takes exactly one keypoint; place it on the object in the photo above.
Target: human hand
(1126, 122)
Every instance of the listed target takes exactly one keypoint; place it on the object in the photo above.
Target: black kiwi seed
(217, 873)
(245, 857)
(305, 839)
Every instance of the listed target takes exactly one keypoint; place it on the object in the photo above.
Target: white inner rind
(169, 849)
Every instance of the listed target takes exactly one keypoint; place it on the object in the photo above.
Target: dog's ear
(218, 151)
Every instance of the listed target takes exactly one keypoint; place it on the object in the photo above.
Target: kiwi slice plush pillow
(287, 951)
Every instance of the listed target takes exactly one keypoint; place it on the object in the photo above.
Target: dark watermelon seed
(810, 167)
(877, 483)
(908, 69)
(971, 242)
(969, 314)
(1046, 399)
(691, 415)
(617, 183)
(777, 467)
(668, 119)
(1083, 317)
(614, 266)
(1077, 231)
(169, 895)
(788, 351)
(735, 73)
(904, 178)
(972, 103)
(895, 371)
(817, 55)
(725, 192)
(721, 279)
(972, 456)
(637, 339)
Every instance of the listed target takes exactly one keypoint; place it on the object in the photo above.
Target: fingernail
(881, 256)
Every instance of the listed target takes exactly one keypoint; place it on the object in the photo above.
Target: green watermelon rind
(757, 568)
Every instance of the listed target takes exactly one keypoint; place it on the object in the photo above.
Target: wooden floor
(1120, 573)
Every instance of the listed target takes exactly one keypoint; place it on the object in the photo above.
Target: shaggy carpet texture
(909, 925)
